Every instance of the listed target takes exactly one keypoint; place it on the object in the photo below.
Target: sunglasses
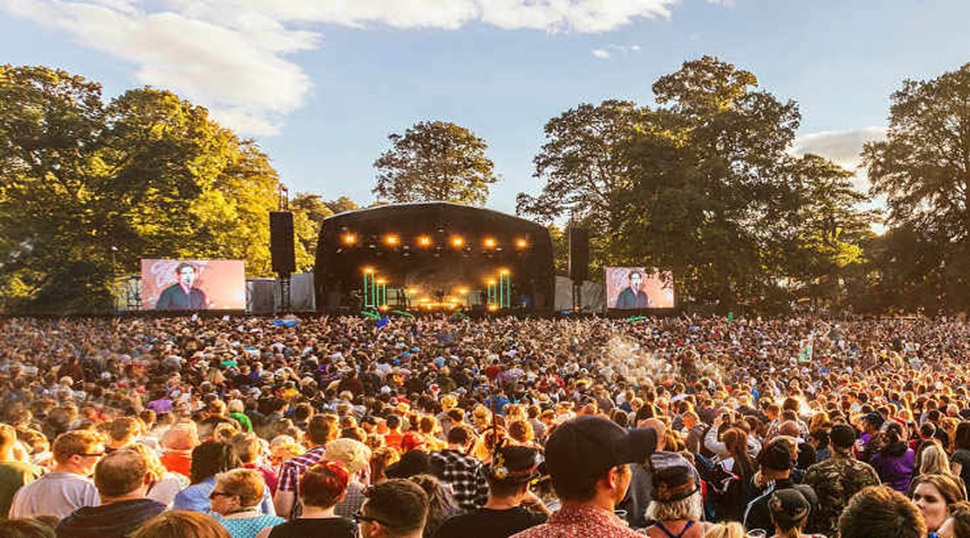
(359, 517)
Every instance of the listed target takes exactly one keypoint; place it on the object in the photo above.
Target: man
(319, 432)
(123, 480)
(395, 508)
(183, 295)
(464, 473)
(14, 473)
(632, 296)
(838, 478)
(640, 492)
(776, 468)
(881, 512)
(588, 460)
(509, 499)
(68, 487)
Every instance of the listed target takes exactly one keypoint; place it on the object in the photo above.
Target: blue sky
(321, 83)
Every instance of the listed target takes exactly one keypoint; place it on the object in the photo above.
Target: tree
(582, 165)
(309, 210)
(341, 205)
(90, 188)
(923, 170)
(435, 161)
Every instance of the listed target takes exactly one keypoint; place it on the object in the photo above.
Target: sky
(320, 84)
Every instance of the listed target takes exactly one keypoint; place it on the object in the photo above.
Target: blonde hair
(690, 508)
(152, 461)
(933, 460)
(353, 454)
(730, 529)
(247, 484)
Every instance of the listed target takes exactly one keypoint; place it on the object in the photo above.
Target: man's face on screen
(187, 276)
(635, 280)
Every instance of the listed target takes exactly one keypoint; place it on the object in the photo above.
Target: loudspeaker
(281, 242)
(578, 253)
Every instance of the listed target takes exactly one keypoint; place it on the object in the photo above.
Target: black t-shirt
(331, 527)
(486, 523)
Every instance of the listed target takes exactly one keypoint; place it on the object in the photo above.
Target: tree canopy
(435, 161)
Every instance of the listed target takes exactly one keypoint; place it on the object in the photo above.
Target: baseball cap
(788, 507)
(591, 445)
(514, 464)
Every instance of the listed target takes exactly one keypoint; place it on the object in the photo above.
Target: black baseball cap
(591, 445)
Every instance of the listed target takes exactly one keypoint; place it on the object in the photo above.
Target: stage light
(368, 270)
(384, 308)
(492, 307)
(521, 243)
(412, 291)
(424, 241)
(489, 242)
(457, 241)
(424, 300)
(504, 272)
(462, 290)
(392, 240)
(349, 239)
(490, 282)
(381, 281)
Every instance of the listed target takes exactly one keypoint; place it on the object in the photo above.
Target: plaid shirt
(581, 522)
(293, 468)
(466, 476)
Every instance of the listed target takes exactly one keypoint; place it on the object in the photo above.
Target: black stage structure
(433, 256)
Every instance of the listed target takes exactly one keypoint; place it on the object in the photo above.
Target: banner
(193, 285)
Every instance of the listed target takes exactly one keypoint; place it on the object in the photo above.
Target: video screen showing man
(632, 296)
(183, 295)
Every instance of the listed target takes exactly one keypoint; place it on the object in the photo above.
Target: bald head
(658, 426)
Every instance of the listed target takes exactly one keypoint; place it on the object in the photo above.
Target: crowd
(444, 427)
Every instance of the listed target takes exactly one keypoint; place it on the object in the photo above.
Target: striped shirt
(293, 469)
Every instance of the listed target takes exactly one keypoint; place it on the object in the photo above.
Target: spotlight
(462, 290)
(412, 291)
(493, 308)
(368, 270)
(392, 240)
(424, 241)
(521, 243)
(504, 272)
(490, 282)
(489, 242)
(349, 239)
(381, 281)
(457, 241)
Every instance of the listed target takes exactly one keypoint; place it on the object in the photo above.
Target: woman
(731, 475)
(441, 505)
(235, 503)
(209, 459)
(165, 484)
(178, 443)
(933, 460)
(730, 529)
(789, 513)
(961, 456)
(932, 494)
(676, 507)
(895, 462)
(181, 524)
(321, 488)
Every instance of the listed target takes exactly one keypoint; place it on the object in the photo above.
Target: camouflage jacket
(835, 481)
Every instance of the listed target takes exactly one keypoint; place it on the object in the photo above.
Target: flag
(805, 355)
(381, 323)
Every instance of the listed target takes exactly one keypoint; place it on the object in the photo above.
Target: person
(960, 463)
(27, 528)
(178, 443)
(932, 493)
(321, 488)
(165, 485)
(776, 467)
(183, 295)
(14, 473)
(69, 486)
(881, 512)
(507, 510)
(726, 529)
(181, 524)
(957, 524)
(789, 513)
(933, 460)
(355, 457)
(632, 296)
(123, 480)
(441, 505)
(320, 430)
(208, 460)
(729, 477)
(895, 462)
(838, 478)
(677, 507)
(234, 502)
(395, 508)
(588, 460)
(464, 473)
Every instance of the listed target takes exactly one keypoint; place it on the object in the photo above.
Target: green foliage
(923, 170)
(89, 188)
(435, 161)
(309, 210)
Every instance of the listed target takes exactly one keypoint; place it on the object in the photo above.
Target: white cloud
(605, 53)
(841, 147)
(230, 55)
